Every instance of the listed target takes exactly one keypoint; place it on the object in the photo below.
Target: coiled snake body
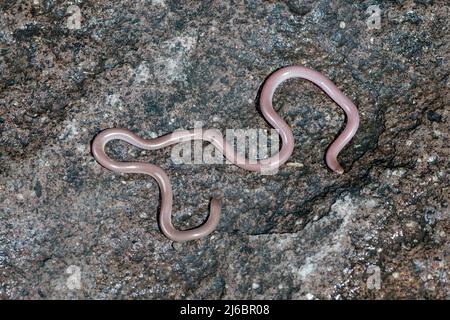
(285, 132)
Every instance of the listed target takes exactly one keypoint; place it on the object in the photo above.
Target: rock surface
(71, 229)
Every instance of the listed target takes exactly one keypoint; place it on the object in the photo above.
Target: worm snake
(285, 132)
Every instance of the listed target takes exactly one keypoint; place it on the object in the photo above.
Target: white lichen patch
(160, 3)
(70, 130)
(114, 100)
(142, 73)
(305, 270)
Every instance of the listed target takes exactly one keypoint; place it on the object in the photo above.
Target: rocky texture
(378, 231)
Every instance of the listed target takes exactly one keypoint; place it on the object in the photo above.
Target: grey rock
(71, 229)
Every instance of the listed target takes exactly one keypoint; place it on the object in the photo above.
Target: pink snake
(285, 132)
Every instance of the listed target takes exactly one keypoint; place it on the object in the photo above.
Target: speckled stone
(71, 229)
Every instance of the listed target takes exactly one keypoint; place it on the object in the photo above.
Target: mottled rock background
(378, 231)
